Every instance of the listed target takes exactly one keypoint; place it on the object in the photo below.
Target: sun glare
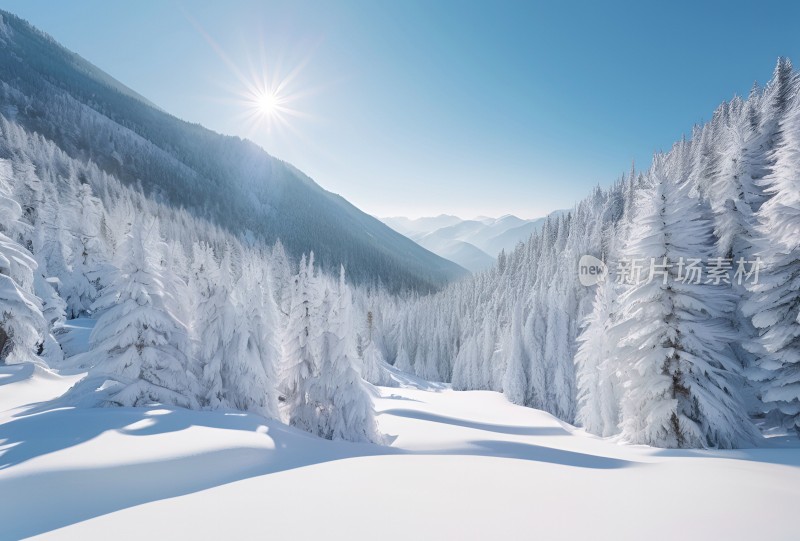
(266, 95)
(267, 103)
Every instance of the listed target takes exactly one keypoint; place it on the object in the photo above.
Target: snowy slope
(459, 465)
(230, 181)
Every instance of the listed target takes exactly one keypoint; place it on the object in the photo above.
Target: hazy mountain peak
(473, 244)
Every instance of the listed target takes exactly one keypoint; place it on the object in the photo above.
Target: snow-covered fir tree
(515, 379)
(345, 410)
(250, 374)
(775, 303)
(53, 310)
(321, 388)
(373, 366)
(87, 254)
(300, 360)
(671, 334)
(403, 361)
(140, 348)
(22, 324)
(599, 389)
(214, 315)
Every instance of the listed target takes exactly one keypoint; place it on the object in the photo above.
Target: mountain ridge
(229, 180)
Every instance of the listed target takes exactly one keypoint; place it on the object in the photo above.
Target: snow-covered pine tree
(598, 388)
(537, 380)
(344, 404)
(515, 379)
(234, 330)
(403, 362)
(322, 390)
(87, 253)
(373, 366)
(22, 324)
(214, 320)
(52, 243)
(775, 302)
(681, 377)
(173, 266)
(300, 362)
(282, 277)
(425, 365)
(488, 353)
(140, 350)
(779, 93)
(249, 377)
(465, 369)
(732, 196)
(53, 310)
(728, 191)
(559, 390)
(53, 306)
(405, 343)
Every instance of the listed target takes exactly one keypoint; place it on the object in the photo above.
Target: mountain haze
(473, 244)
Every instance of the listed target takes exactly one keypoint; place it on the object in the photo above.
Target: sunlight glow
(268, 103)
(264, 88)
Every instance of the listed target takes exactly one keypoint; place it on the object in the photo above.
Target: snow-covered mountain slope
(460, 465)
(473, 244)
(230, 181)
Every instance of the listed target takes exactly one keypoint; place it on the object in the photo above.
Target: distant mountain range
(473, 244)
(230, 181)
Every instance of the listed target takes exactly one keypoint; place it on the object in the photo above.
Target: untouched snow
(459, 465)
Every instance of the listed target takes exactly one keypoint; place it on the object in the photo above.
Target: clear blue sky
(419, 108)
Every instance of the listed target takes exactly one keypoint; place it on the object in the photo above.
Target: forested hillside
(704, 336)
(226, 180)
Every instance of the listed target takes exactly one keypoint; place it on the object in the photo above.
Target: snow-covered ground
(457, 465)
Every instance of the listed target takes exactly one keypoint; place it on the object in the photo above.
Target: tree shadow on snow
(13, 373)
(486, 427)
(51, 498)
(48, 499)
(537, 453)
(779, 455)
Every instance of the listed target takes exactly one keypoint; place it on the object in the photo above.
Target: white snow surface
(458, 465)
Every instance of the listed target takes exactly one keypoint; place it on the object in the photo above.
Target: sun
(267, 89)
(267, 103)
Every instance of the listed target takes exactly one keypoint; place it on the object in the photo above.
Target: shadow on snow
(51, 499)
